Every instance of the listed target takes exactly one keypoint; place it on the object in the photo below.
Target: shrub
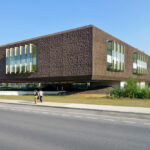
(131, 90)
(144, 93)
(116, 92)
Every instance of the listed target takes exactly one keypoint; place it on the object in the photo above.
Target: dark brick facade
(99, 71)
(64, 56)
(77, 55)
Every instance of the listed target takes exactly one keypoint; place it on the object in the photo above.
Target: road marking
(35, 111)
(78, 116)
(45, 113)
(132, 122)
(109, 119)
(65, 115)
(25, 111)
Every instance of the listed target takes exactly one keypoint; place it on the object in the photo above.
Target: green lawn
(84, 100)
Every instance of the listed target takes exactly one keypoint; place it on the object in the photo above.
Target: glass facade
(22, 59)
(140, 64)
(115, 56)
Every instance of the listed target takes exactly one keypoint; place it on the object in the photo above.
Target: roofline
(48, 35)
(120, 40)
(66, 31)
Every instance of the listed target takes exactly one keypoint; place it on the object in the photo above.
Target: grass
(87, 100)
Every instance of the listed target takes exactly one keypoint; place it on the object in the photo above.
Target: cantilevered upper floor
(83, 54)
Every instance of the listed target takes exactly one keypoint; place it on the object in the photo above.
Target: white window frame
(16, 51)
(7, 69)
(26, 49)
(7, 52)
(31, 48)
(20, 68)
(11, 52)
(31, 67)
(21, 50)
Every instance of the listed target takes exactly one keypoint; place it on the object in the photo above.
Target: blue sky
(128, 20)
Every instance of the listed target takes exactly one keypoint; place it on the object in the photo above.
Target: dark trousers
(41, 99)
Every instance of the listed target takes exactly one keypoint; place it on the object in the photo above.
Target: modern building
(82, 55)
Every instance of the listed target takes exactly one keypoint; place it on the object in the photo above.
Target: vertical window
(7, 52)
(20, 68)
(11, 52)
(109, 56)
(140, 62)
(26, 49)
(25, 67)
(11, 69)
(135, 66)
(31, 48)
(21, 50)
(118, 57)
(16, 51)
(23, 59)
(122, 57)
(7, 69)
(16, 68)
(115, 56)
(30, 66)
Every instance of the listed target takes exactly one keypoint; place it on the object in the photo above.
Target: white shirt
(40, 93)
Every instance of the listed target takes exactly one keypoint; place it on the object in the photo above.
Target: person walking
(35, 96)
(41, 95)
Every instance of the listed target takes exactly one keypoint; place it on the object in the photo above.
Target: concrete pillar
(122, 84)
(39, 85)
(88, 84)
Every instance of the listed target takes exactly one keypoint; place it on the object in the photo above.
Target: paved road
(38, 128)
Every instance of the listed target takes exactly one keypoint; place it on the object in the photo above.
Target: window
(115, 56)
(140, 64)
(16, 51)
(25, 67)
(26, 49)
(20, 68)
(30, 66)
(16, 68)
(11, 52)
(21, 50)
(23, 59)
(7, 69)
(11, 69)
(31, 48)
(7, 52)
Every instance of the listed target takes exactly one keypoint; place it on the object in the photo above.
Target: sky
(128, 20)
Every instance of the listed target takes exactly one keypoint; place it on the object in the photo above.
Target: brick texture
(64, 56)
(99, 71)
(77, 55)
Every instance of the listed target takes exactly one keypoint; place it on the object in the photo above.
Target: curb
(65, 107)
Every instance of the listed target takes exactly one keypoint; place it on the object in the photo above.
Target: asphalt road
(44, 128)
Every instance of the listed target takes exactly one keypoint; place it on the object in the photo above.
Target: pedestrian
(41, 95)
(35, 96)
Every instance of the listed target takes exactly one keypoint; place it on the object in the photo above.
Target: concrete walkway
(124, 109)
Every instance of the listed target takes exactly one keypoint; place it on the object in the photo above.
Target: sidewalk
(123, 109)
